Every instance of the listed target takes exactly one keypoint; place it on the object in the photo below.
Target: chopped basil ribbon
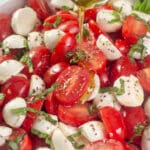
(24, 110)
(118, 91)
(2, 96)
(6, 49)
(92, 109)
(14, 144)
(55, 23)
(139, 48)
(66, 8)
(72, 137)
(26, 45)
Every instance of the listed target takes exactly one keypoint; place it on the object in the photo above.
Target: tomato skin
(132, 117)
(133, 29)
(5, 57)
(110, 144)
(113, 121)
(74, 82)
(53, 72)
(146, 63)
(5, 26)
(20, 89)
(75, 115)
(122, 66)
(40, 57)
(41, 8)
(66, 44)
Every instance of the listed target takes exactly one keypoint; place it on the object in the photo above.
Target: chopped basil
(116, 18)
(66, 8)
(39, 134)
(26, 45)
(2, 96)
(92, 109)
(1, 44)
(6, 49)
(50, 143)
(85, 32)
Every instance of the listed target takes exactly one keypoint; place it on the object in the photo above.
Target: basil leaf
(39, 134)
(2, 96)
(116, 18)
(66, 8)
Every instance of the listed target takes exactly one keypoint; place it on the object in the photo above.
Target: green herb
(2, 96)
(26, 59)
(26, 45)
(14, 144)
(142, 5)
(66, 8)
(92, 109)
(50, 143)
(72, 137)
(85, 32)
(116, 15)
(55, 23)
(6, 49)
(1, 44)
(139, 48)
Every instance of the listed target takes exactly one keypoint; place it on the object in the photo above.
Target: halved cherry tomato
(51, 104)
(73, 81)
(132, 29)
(30, 116)
(144, 78)
(24, 142)
(75, 115)
(5, 26)
(66, 44)
(16, 86)
(41, 7)
(6, 57)
(113, 122)
(94, 60)
(40, 57)
(122, 66)
(105, 145)
(146, 62)
(52, 73)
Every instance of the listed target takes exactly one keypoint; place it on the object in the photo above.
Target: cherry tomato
(113, 122)
(122, 66)
(94, 60)
(75, 115)
(40, 57)
(41, 8)
(30, 117)
(52, 73)
(20, 89)
(144, 78)
(146, 63)
(132, 117)
(5, 26)
(132, 29)
(5, 57)
(105, 145)
(24, 142)
(51, 104)
(66, 44)
(74, 82)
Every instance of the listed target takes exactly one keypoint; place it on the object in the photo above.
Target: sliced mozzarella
(14, 120)
(9, 68)
(106, 99)
(104, 18)
(14, 41)
(67, 129)
(93, 131)
(52, 37)
(147, 108)
(108, 48)
(24, 21)
(60, 142)
(37, 85)
(133, 93)
(43, 148)
(44, 126)
(146, 139)
(35, 39)
(5, 132)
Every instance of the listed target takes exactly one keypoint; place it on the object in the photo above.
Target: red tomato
(30, 117)
(20, 89)
(5, 57)
(122, 66)
(113, 122)
(122, 46)
(105, 145)
(133, 29)
(40, 57)
(69, 27)
(48, 23)
(66, 44)
(146, 63)
(52, 73)
(132, 117)
(5, 26)
(94, 60)
(74, 82)
(75, 115)
(51, 104)
(41, 8)
(144, 78)
(25, 142)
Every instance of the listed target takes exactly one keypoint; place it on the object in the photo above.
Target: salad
(60, 93)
